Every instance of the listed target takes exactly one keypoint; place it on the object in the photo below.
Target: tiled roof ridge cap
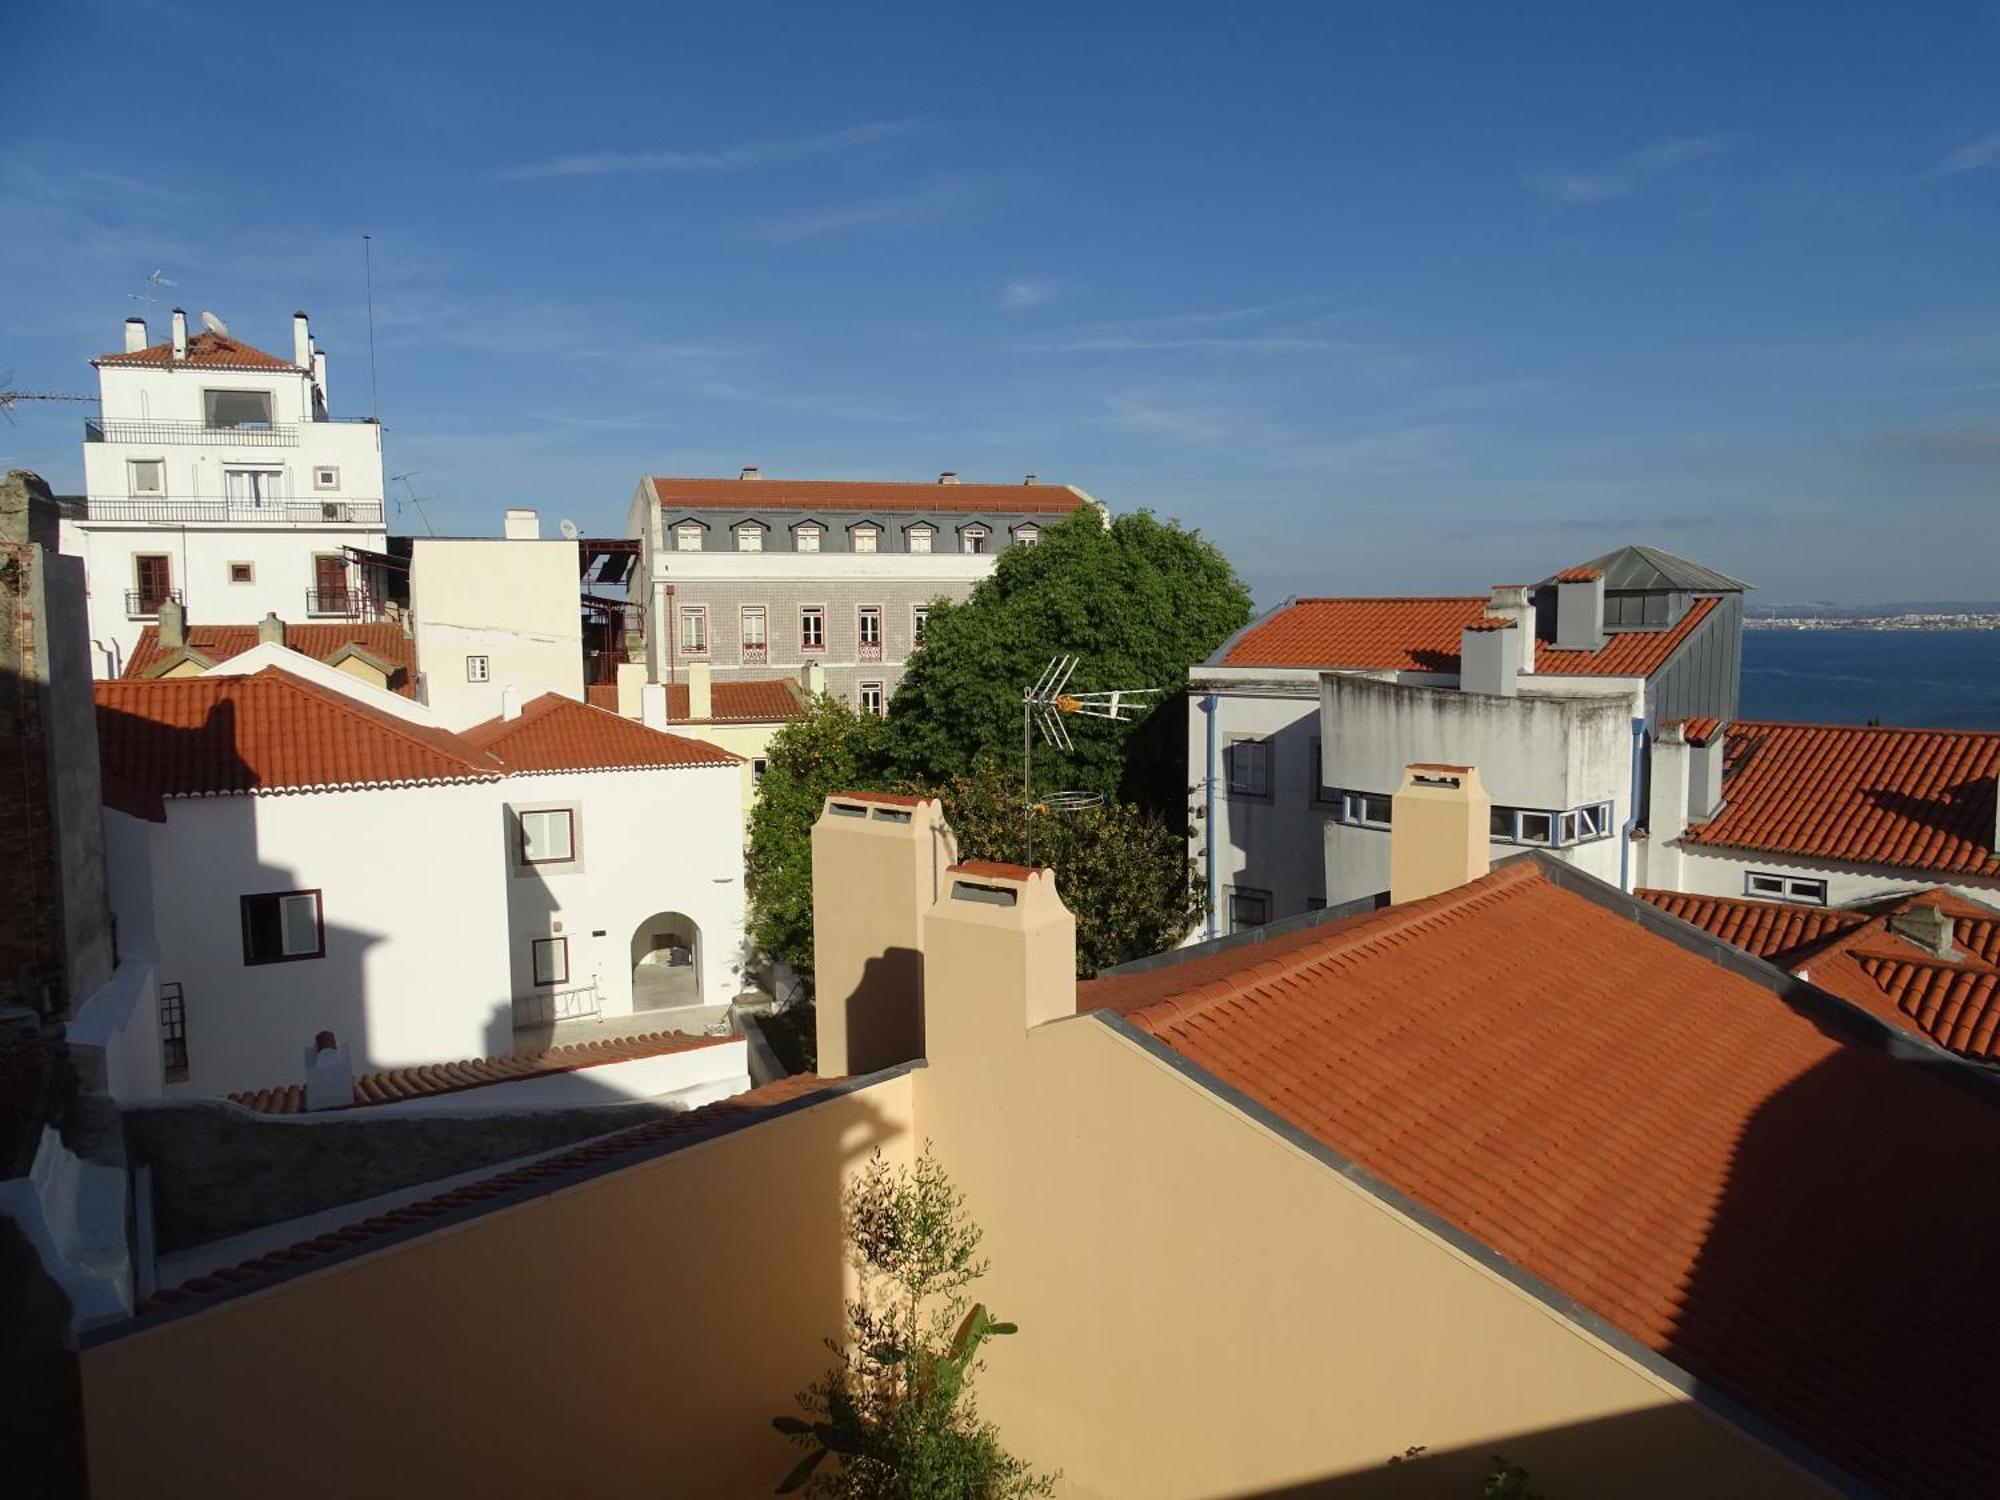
(1749, 724)
(1389, 923)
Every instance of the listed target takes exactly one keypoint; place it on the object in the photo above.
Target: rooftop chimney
(750, 472)
(135, 335)
(319, 377)
(180, 333)
(1579, 609)
(949, 476)
(172, 625)
(271, 630)
(1486, 657)
(653, 705)
(329, 1075)
(812, 677)
(999, 952)
(1511, 601)
(302, 341)
(1927, 925)
(701, 699)
(1440, 831)
(1032, 478)
(523, 525)
(510, 702)
(631, 684)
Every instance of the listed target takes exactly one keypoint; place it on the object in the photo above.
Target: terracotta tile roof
(207, 351)
(1405, 635)
(850, 494)
(887, 799)
(1582, 574)
(554, 733)
(321, 642)
(535, 1177)
(396, 1084)
(1784, 934)
(1698, 731)
(1734, 1184)
(1486, 623)
(991, 868)
(757, 700)
(602, 695)
(1630, 653)
(1906, 799)
(199, 736)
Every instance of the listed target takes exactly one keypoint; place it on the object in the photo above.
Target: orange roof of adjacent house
(207, 351)
(1581, 574)
(204, 736)
(757, 700)
(1628, 653)
(394, 1085)
(1659, 1140)
(863, 494)
(554, 733)
(1907, 799)
(1856, 953)
(320, 641)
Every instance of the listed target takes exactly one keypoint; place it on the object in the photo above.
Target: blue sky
(1384, 298)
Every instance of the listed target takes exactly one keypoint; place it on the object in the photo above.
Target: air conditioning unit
(333, 512)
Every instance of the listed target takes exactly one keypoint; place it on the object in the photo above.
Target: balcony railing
(276, 435)
(870, 651)
(347, 604)
(222, 509)
(755, 656)
(144, 604)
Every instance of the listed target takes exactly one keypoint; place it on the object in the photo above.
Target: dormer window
(972, 539)
(1632, 609)
(806, 538)
(687, 536)
(1027, 536)
(750, 538)
(865, 538)
(920, 538)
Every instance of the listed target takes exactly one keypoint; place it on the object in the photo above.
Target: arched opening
(666, 962)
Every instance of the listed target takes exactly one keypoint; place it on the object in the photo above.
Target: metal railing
(144, 604)
(548, 1007)
(155, 430)
(869, 651)
(223, 509)
(755, 655)
(349, 604)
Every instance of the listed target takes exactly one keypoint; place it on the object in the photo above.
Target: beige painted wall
(511, 602)
(629, 1336)
(751, 741)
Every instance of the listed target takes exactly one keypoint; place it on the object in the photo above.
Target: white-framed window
(478, 668)
(872, 698)
(1027, 536)
(1361, 809)
(750, 538)
(806, 539)
(550, 957)
(972, 539)
(1772, 886)
(147, 476)
(282, 926)
(253, 487)
(687, 537)
(812, 627)
(920, 616)
(1248, 908)
(754, 623)
(548, 836)
(236, 408)
(1582, 825)
(326, 477)
(870, 622)
(242, 572)
(694, 630)
(920, 538)
(758, 766)
(1534, 827)
(1249, 767)
(865, 538)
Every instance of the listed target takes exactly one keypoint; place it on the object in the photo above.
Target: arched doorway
(666, 962)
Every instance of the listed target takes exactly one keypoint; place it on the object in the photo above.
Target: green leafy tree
(897, 1414)
(1140, 601)
(829, 748)
(1124, 873)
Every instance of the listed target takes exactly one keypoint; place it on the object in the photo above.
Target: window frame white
(1233, 755)
(862, 692)
(812, 612)
(696, 615)
(753, 534)
(1800, 890)
(478, 667)
(208, 395)
(287, 903)
(326, 476)
(921, 538)
(527, 817)
(1028, 534)
(968, 535)
(688, 536)
(920, 619)
(132, 467)
(808, 532)
(1238, 893)
(866, 533)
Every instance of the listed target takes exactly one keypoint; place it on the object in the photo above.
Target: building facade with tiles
(754, 575)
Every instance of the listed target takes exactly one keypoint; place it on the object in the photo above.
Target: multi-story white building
(216, 476)
(752, 574)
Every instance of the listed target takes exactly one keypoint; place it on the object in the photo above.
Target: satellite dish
(213, 324)
(569, 531)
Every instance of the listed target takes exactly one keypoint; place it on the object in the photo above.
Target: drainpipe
(1632, 814)
(1208, 707)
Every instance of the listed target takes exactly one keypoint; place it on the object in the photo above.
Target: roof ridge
(1385, 599)
(1735, 724)
(421, 735)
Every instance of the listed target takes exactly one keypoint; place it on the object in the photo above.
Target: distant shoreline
(1938, 622)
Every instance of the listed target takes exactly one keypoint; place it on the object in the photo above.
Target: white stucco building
(298, 859)
(217, 476)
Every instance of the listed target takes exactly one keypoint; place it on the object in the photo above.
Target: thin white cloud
(1624, 178)
(739, 158)
(1259, 343)
(1973, 156)
(920, 206)
(1019, 293)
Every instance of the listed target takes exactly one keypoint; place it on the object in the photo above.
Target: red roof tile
(1585, 574)
(1784, 934)
(1698, 731)
(395, 1084)
(862, 495)
(1487, 623)
(207, 351)
(1728, 1181)
(602, 695)
(991, 868)
(196, 736)
(321, 642)
(1907, 799)
(555, 733)
(1629, 653)
(758, 700)
(888, 799)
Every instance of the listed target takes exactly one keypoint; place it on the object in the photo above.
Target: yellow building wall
(751, 741)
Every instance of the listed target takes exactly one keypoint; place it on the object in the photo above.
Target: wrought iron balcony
(144, 604)
(755, 656)
(345, 603)
(225, 510)
(154, 430)
(870, 651)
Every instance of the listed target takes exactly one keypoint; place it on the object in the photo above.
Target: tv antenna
(149, 289)
(404, 479)
(8, 396)
(569, 531)
(1046, 703)
(214, 324)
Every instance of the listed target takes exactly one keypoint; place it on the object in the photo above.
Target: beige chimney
(653, 705)
(522, 525)
(172, 625)
(631, 684)
(750, 472)
(135, 335)
(180, 333)
(949, 476)
(812, 677)
(999, 959)
(302, 341)
(271, 630)
(701, 697)
(1440, 831)
(878, 864)
(1928, 926)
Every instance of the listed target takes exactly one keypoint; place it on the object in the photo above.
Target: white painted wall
(513, 602)
(691, 1079)
(312, 669)
(1713, 872)
(73, 1212)
(120, 1024)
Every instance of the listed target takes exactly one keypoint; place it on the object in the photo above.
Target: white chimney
(1579, 609)
(1486, 657)
(329, 1075)
(180, 333)
(812, 677)
(135, 335)
(302, 342)
(1032, 479)
(319, 378)
(631, 685)
(701, 697)
(750, 472)
(1510, 601)
(949, 476)
(523, 525)
(510, 702)
(653, 705)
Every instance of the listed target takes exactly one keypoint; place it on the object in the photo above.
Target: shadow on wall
(885, 1011)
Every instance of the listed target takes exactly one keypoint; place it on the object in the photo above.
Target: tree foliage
(897, 1414)
(1140, 601)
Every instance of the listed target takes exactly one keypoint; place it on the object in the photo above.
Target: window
(812, 628)
(242, 572)
(920, 538)
(758, 766)
(749, 539)
(871, 632)
(551, 960)
(1248, 908)
(1776, 887)
(326, 477)
(282, 926)
(1585, 824)
(806, 539)
(1635, 609)
(865, 538)
(871, 698)
(253, 487)
(687, 537)
(755, 644)
(694, 630)
(920, 616)
(1362, 809)
(1249, 768)
(972, 539)
(153, 572)
(237, 408)
(148, 476)
(548, 836)
(477, 669)
(1534, 827)
(1027, 536)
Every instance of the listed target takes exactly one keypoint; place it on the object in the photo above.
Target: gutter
(1209, 705)
(1632, 807)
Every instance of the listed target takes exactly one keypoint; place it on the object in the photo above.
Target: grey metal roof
(1651, 568)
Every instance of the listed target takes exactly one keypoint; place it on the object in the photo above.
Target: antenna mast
(1047, 701)
(368, 280)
